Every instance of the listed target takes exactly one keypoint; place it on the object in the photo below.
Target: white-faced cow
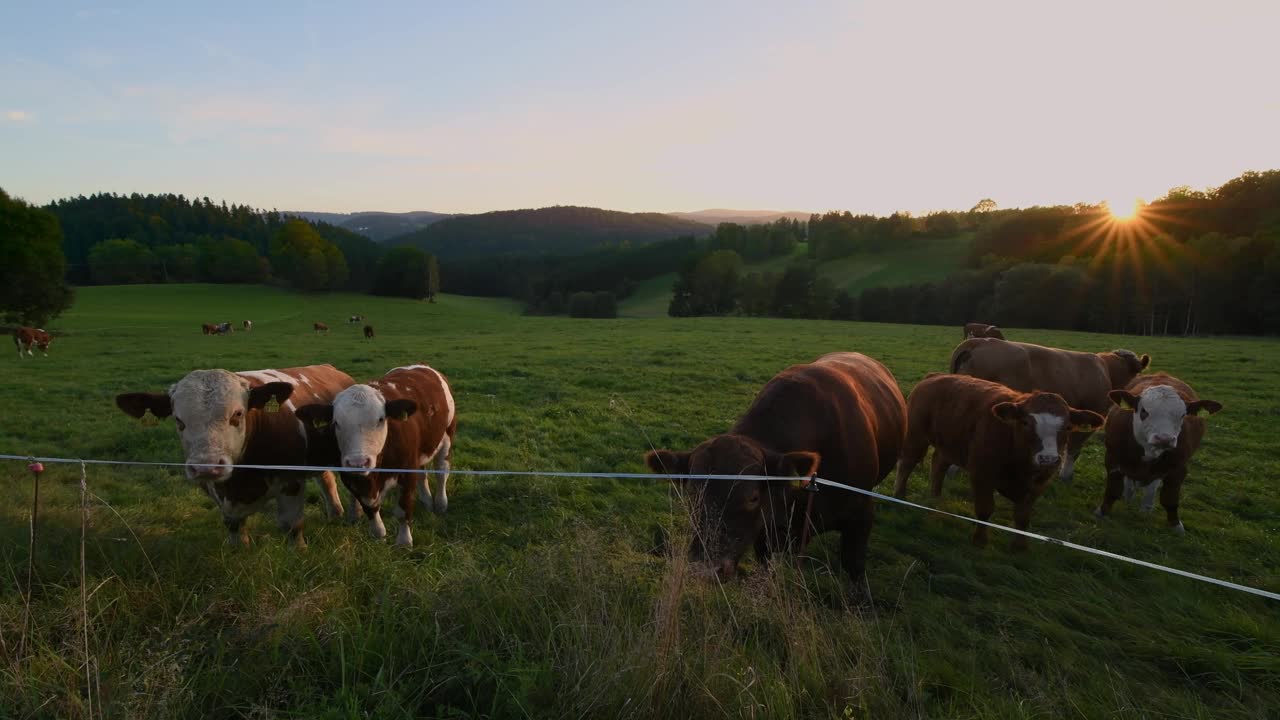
(1083, 379)
(248, 325)
(223, 419)
(841, 416)
(1151, 435)
(1010, 442)
(982, 330)
(404, 420)
(26, 338)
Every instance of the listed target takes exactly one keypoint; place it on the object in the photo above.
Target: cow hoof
(1179, 529)
(442, 506)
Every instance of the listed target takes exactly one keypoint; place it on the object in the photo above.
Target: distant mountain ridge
(715, 216)
(561, 229)
(375, 224)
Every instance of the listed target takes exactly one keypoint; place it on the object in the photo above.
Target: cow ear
(401, 409)
(668, 462)
(800, 463)
(1144, 362)
(1085, 420)
(1210, 406)
(1008, 412)
(261, 395)
(137, 404)
(317, 415)
(1124, 399)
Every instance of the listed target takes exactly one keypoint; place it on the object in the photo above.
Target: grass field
(920, 260)
(541, 597)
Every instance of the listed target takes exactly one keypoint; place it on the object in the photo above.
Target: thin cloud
(18, 116)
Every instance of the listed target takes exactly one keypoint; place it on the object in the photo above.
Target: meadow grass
(550, 597)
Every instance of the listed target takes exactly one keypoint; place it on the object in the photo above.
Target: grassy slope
(918, 261)
(538, 596)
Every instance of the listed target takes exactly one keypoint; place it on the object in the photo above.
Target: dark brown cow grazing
(320, 328)
(368, 332)
(223, 419)
(1151, 435)
(1083, 379)
(1010, 442)
(26, 338)
(982, 330)
(209, 328)
(841, 416)
(406, 419)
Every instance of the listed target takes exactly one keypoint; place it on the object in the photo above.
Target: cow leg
(984, 504)
(237, 532)
(404, 536)
(1022, 521)
(1116, 480)
(1129, 488)
(373, 510)
(762, 547)
(912, 453)
(441, 465)
(855, 537)
(1074, 445)
(939, 468)
(328, 486)
(1149, 495)
(289, 515)
(353, 510)
(1170, 494)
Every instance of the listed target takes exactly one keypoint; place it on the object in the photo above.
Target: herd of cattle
(1009, 414)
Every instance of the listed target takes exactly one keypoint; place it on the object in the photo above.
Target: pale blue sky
(464, 107)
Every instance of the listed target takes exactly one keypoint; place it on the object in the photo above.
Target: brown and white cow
(223, 420)
(320, 327)
(406, 420)
(982, 330)
(841, 416)
(1151, 435)
(368, 332)
(1009, 442)
(355, 319)
(209, 328)
(1083, 379)
(248, 325)
(26, 338)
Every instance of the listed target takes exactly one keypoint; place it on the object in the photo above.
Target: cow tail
(958, 360)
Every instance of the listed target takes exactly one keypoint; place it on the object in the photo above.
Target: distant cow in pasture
(355, 319)
(225, 328)
(248, 325)
(841, 416)
(1083, 379)
(368, 332)
(406, 419)
(320, 328)
(1009, 442)
(982, 330)
(223, 419)
(1151, 435)
(26, 338)
(209, 328)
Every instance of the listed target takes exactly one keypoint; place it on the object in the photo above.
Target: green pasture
(549, 597)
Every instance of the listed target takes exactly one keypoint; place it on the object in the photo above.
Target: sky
(653, 106)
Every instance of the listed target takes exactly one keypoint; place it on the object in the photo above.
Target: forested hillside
(377, 226)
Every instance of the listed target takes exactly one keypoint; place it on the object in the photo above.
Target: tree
(122, 262)
(231, 261)
(179, 263)
(985, 205)
(433, 277)
(298, 256)
(32, 267)
(604, 305)
(404, 272)
(582, 304)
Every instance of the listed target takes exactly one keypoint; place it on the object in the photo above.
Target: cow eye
(181, 425)
(1142, 414)
(382, 419)
(235, 418)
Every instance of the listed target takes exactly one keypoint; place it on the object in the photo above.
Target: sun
(1124, 209)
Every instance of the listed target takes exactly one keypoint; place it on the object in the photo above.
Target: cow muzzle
(1162, 443)
(358, 464)
(1046, 460)
(217, 470)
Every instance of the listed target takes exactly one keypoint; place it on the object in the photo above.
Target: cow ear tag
(402, 416)
(319, 423)
(272, 405)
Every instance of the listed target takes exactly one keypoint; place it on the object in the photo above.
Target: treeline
(115, 239)
(713, 283)
(839, 234)
(33, 287)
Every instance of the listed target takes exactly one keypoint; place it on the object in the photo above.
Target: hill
(715, 216)
(375, 225)
(562, 229)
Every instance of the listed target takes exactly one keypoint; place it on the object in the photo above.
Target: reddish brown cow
(368, 332)
(26, 338)
(982, 330)
(1009, 442)
(320, 328)
(223, 419)
(209, 328)
(1083, 379)
(841, 416)
(406, 419)
(1151, 435)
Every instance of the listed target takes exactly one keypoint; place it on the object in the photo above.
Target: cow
(225, 328)
(223, 420)
(405, 419)
(841, 416)
(982, 330)
(1083, 379)
(320, 327)
(1010, 442)
(248, 325)
(1151, 434)
(26, 338)
(355, 319)
(209, 328)
(368, 332)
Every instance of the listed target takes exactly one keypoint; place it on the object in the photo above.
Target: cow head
(209, 408)
(358, 418)
(1123, 366)
(1042, 423)
(728, 515)
(1157, 416)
